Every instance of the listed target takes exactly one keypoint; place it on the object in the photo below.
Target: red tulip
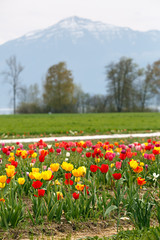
(148, 148)
(14, 163)
(41, 193)
(37, 184)
(88, 154)
(68, 175)
(101, 155)
(117, 176)
(73, 149)
(8, 180)
(104, 168)
(68, 182)
(51, 150)
(41, 158)
(155, 152)
(93, 168)
(79, 149)
(51, 178)
(122, 156)
(75, 195)
(86, 189)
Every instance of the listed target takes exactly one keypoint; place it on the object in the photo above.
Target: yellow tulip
(46, 175)
(76, 173)
(2, 185)
(35, 169)
(97, 160)
(112, 165)
(24, 154)
(37, 176)
(109, 150)
(54, 167)
(79, 187)
(11, 159)
(10, 172)
(77, 179)
(133, 164)
(3, 178)
(34, 155)
(57, 182)
(31, 175)
(21, 181)
(83, 170)
(67, 166)
(141, 164)
(11, 167)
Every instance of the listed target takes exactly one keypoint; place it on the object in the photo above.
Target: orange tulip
(10, 172)
(141, 181)
(59, 195)
(3, 178)
(79, 187)
(2, 200)
(138, 169)
(54, 167)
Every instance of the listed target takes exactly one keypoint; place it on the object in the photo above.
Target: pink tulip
(118, 165)
(58, 150)
(110, 157)
(138, 148)
(21, 145)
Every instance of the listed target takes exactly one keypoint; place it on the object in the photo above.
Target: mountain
(86, 46)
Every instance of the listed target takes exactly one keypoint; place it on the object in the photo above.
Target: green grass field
(58, 124)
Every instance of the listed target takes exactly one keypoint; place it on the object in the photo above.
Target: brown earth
(67, 231)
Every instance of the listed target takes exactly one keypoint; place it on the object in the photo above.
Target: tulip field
(67, 183)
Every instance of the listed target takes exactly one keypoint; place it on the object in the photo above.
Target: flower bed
(80, 181)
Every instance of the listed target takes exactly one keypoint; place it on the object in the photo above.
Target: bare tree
(146, 87)
(120, 78)
(30, 100)
(12, 76)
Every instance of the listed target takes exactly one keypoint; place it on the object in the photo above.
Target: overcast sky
(18, 17)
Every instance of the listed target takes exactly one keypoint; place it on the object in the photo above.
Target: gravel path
(74, 138)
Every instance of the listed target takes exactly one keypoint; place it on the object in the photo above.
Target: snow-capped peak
(77, 27)
(79, 23)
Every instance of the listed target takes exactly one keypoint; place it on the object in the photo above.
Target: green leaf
(110, 209)
(30, 216)
(51, 213)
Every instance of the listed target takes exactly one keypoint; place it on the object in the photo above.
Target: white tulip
(67, 154)
(155, 176)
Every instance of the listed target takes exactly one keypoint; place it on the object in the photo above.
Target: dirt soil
(68, 231)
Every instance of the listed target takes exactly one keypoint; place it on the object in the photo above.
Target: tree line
(128, 88)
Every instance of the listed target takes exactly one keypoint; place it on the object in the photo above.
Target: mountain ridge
(81, 24)
(86, 46)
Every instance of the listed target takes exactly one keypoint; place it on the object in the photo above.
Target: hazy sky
(18, 17)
